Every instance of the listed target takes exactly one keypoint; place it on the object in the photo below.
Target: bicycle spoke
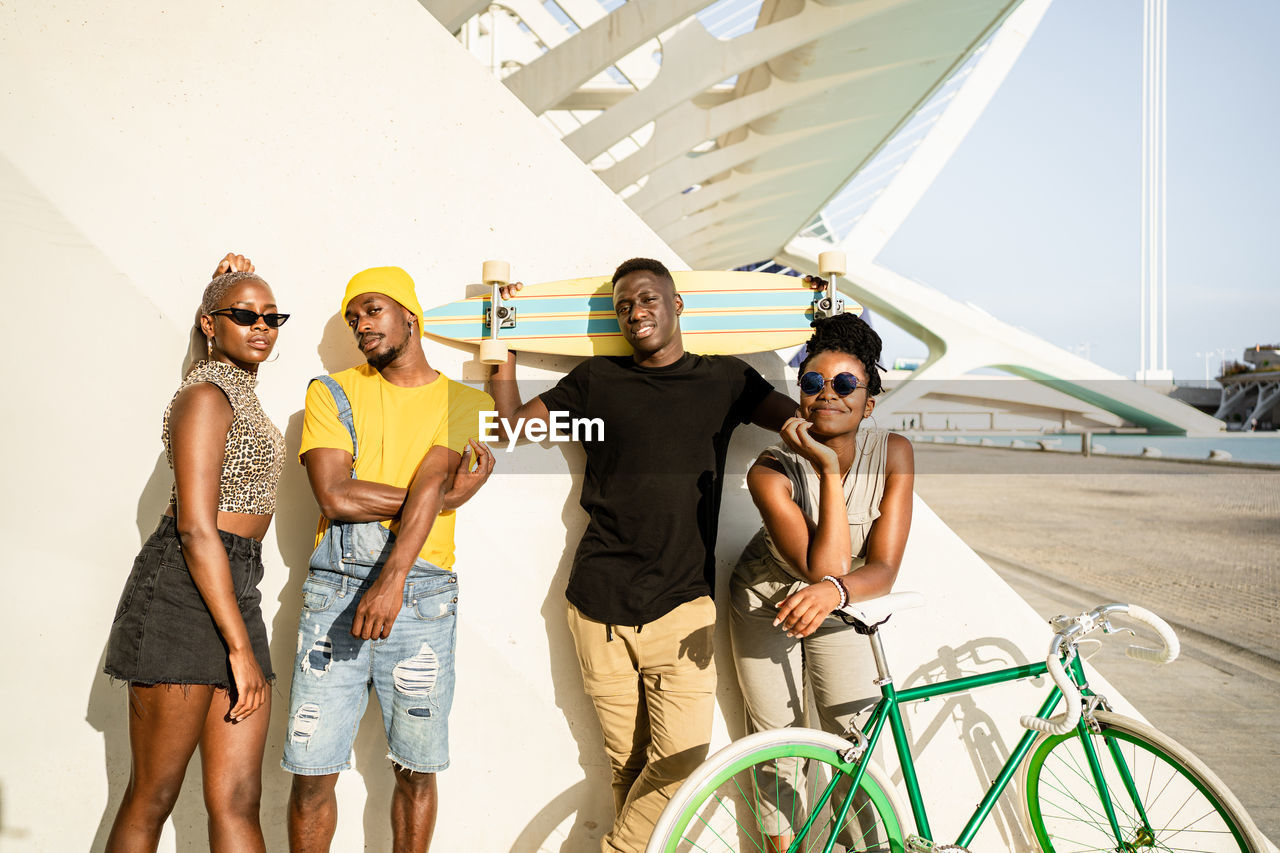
(1188, 830)
(1100, 815)
(777, 795)
(714, 831)
(1082, 847)
(715, 812)
(754, 811)
(1085, 775)
(1161, 800)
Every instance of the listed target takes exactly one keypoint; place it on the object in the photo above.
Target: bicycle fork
(1085, 730)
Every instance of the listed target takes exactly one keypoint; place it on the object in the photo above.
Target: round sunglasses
(813, 382)
(245, 317)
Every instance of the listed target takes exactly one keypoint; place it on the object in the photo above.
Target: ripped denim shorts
(412, 670)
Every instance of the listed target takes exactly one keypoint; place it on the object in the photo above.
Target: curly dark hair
(849, 334)
(658, 268)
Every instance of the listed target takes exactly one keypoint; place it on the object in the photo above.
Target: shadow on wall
(107, 710)
(591, 796)
(575, 818)
(296, 518)
(977, 730)
(337, 349)
(295, 525)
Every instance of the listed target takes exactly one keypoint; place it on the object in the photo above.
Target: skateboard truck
(829, 303)
(501, 314)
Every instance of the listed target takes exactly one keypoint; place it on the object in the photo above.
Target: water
(1250, 447)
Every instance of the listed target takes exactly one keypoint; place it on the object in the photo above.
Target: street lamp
(1208, 354)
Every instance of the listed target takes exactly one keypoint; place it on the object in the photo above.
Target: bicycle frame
(888, 709)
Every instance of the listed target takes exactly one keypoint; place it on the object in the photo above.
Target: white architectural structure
(729, 142)
(729, 147)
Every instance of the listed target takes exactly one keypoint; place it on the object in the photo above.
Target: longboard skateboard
(724, 313)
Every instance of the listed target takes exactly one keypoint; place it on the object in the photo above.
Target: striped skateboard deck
(724, 313)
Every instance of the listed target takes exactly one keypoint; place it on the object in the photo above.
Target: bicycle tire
(1187, 805)
(707, 813)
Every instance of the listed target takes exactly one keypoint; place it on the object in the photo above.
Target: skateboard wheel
(493, 352)
(497, 271)
(831, 263)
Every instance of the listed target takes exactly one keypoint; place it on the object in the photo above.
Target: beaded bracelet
(844, 593)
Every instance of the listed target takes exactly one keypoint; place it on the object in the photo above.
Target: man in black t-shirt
(639, 592)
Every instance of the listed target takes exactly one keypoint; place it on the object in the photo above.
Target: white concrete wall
(138, 142)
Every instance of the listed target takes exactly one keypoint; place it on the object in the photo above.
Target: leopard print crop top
(255, 448)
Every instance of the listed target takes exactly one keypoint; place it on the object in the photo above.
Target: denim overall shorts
(412, 670)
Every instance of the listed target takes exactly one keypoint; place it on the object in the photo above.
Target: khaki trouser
(654, 691)
(775, 671)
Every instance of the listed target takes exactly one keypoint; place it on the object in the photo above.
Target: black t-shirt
(652, 485)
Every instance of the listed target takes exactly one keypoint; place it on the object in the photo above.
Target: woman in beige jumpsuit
(835, 498)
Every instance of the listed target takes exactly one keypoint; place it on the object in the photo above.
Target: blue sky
(1036, 217)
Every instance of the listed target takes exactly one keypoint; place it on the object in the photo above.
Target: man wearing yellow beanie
(386, 446)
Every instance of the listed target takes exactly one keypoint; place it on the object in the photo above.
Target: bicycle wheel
(763, 785)
(1187, 807)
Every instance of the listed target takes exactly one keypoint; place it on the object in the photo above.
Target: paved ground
(1196, 543)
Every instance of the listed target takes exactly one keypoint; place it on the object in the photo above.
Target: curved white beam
(548, 80)
(679, 130)
(699, 223)
(742, 214)
(671, 179)
(687, 204)
(535, 16)
(694, 60)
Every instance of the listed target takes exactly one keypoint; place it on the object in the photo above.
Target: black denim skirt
(164, 634)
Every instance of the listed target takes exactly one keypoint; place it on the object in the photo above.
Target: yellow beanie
(389, 281)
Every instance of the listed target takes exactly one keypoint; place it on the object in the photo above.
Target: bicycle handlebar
(1163, 631)
(1071, 630)
(1069, 692)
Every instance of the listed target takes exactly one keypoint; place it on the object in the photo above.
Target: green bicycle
(1092, 780)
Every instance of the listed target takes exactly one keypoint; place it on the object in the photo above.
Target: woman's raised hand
(795, 434)
(233, 263)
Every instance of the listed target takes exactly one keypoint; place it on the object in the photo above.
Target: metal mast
(1153, 363)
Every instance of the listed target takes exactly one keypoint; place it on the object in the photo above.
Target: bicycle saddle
(866, 616)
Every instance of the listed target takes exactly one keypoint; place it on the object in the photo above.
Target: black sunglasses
(245, 317)
(813, 382)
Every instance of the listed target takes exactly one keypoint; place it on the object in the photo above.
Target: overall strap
(344, 414)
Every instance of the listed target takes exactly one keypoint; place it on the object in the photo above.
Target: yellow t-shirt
(395, 427)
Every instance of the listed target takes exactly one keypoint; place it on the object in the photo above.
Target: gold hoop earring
(275, 356)
(208, 345)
